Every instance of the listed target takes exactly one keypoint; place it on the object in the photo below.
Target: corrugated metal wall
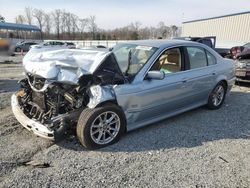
(229, 30)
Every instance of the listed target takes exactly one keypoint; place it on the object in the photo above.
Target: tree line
(64, 25)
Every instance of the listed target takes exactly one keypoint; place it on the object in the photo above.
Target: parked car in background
(241, 55)
(209, 41)
(23, 46)
(243, 65)
(105, 93)
(247, 45)
(49, 44)
(99, 47)
(70, 45)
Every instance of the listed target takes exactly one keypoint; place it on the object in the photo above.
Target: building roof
(13, 26)
(235, 14)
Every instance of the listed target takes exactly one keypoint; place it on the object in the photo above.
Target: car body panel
(143, 100)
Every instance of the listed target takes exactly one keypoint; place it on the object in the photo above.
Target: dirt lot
(201, 148)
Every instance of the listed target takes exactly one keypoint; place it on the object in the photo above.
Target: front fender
(99, 94)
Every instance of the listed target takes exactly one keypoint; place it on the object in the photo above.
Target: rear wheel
(217, 96)
(100, 126)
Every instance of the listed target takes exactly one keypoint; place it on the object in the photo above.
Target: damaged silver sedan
(105, 93)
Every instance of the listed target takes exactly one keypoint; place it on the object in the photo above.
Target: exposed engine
(56, 100)
(58, 104)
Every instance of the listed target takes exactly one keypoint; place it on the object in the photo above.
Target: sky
(118, 13)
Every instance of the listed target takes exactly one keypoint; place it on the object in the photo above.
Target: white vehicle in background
(70, 45)
(49, 44)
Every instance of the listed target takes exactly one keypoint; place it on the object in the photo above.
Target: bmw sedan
(106, 93)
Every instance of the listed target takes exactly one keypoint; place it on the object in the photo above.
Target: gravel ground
(200, 148)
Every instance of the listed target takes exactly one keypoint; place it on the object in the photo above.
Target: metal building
(230, 30)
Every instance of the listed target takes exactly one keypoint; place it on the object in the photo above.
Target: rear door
(201, 74)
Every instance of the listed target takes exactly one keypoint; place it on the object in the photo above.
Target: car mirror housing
(156, 75)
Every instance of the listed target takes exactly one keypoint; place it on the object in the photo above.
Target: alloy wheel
(105, 127)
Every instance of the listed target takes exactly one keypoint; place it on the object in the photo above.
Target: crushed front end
(49, 111)
(59, 84)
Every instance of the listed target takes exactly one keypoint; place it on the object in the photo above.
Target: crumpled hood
(63, 64)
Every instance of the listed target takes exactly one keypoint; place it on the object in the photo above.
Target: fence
(87, 43)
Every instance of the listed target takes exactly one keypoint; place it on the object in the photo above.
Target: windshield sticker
(147, 48)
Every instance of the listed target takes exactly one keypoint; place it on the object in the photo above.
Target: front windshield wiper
(129, 62)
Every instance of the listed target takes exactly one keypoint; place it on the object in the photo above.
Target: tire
(217, 96)
(92, 129)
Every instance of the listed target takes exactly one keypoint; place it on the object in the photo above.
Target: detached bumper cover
(30, 124)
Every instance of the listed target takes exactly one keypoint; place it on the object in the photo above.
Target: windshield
(132, 57)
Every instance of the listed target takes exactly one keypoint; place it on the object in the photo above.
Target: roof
(216, 17)
(13, 26)
(160, 42)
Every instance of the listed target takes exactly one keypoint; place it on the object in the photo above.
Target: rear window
(211, 60)
(197, 57)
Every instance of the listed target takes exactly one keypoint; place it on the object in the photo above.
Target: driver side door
(151, 99)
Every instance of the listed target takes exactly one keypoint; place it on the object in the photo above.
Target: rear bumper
(30, 124)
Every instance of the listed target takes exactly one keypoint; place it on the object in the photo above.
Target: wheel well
(107, 102)
(224, 82)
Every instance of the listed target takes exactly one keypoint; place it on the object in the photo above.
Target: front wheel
(100, 126)
(217, 96)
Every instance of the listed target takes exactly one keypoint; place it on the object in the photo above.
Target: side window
(197, 57)
(169, 61)
(211, 60)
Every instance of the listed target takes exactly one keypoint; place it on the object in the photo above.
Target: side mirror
(156, 75)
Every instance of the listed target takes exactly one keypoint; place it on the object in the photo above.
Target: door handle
(213, 73)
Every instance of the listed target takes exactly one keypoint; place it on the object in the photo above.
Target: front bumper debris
(30, 124)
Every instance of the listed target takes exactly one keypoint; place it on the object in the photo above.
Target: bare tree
(47, 23)
(174, 29)
(137, 25)
(82, 25)
(92, 26)
(68, 23)
(57, 21)
(39, 15)
(2, 18)
(20, 19)
(63, 23)
(74, 24)
(163, 30)
(28, 14)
